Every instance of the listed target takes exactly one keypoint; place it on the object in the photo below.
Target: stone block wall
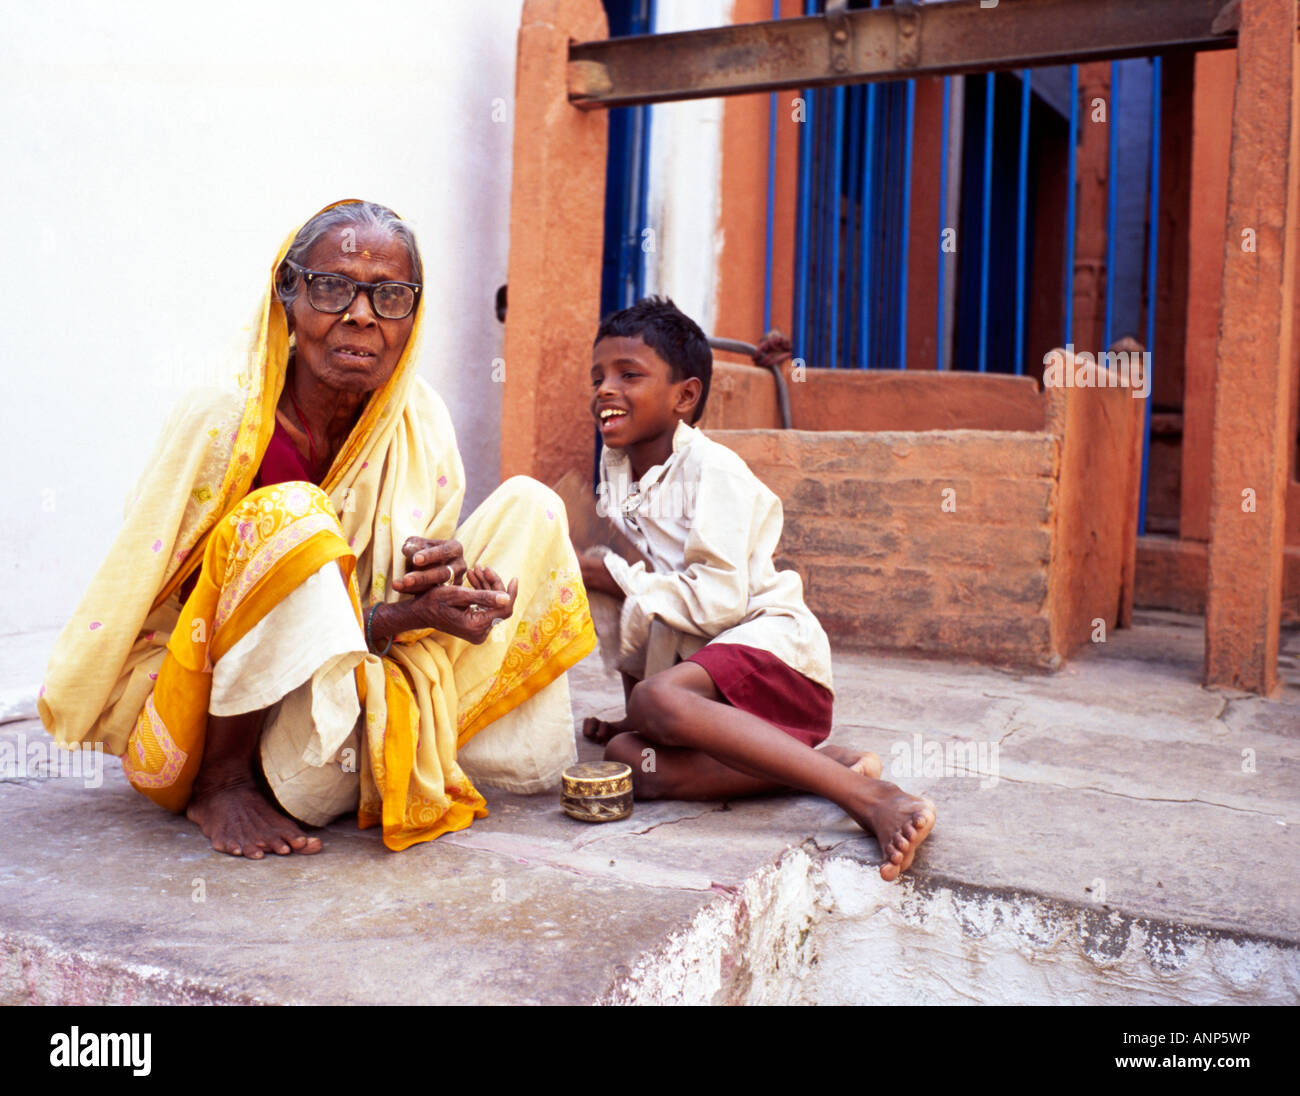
(1004, 545)
(936, 541)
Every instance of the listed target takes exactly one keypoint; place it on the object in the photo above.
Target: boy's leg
(600, 730)
(680, 708)
(673, 772)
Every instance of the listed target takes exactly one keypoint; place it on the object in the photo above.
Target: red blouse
(282, 462)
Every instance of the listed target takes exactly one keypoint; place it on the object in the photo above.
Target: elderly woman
(289, 624)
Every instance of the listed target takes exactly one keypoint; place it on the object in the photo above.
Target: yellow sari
(132, 669)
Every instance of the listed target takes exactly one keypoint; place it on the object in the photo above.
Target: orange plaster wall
(741, 397)
(743, 217)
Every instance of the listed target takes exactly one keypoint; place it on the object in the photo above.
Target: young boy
(727, 672)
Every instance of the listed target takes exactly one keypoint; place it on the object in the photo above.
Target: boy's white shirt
(710, 528)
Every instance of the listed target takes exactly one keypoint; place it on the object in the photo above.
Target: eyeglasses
(335, 292)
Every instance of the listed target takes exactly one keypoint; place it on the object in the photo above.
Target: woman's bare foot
(900, 822)
(239, 820)
(860, 761)
(600, 731)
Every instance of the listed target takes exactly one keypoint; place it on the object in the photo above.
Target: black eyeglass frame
(369, 287)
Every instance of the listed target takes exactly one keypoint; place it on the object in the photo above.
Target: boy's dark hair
(671, 334)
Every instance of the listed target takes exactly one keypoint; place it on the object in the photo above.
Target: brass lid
(593, 778)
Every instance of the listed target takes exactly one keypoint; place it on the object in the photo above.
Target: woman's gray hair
(360, 215)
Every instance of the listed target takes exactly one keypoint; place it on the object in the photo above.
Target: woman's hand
(488, 581)
(467, 612)
(430, 563)
(438, 602)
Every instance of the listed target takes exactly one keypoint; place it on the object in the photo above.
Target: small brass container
(597, 791)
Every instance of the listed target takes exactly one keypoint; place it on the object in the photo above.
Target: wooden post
(1211, 135)
(557, 211)
(1252, 392)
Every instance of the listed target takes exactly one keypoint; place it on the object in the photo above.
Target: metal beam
(888, 43)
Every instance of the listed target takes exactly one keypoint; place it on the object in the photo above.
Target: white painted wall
(154, 156)
(684, 205)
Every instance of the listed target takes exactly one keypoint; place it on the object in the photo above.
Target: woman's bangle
(370, 639)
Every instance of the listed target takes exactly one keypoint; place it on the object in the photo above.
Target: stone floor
(1118, 783)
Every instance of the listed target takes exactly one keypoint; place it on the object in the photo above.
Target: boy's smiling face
(635, 401)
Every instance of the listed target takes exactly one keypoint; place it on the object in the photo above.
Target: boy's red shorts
(758, 682)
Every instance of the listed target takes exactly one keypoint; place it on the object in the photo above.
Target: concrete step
(1123, 800)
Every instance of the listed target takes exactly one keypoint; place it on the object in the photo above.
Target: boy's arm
(596, 576)
(711, 593)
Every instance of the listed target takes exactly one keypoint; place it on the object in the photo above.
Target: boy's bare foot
(860, 761)
(600, 731)
(239, 820)
(900, 823)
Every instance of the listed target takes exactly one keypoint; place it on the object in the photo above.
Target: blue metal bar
(1070, 212)
(884, 250)
(1153, 241)
(1112, 201)
(909, 126)
(939, 346)
(866, 354)
(643, 198)
(881, 352)
(889, 288)
(986, 198)
(817, 288)
(803, 216)
(833, 267)
(853, 221)
(771, 196)
(815, 96)
(829, 232)
(865, 349)
(821, 282)
(1022, 218)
